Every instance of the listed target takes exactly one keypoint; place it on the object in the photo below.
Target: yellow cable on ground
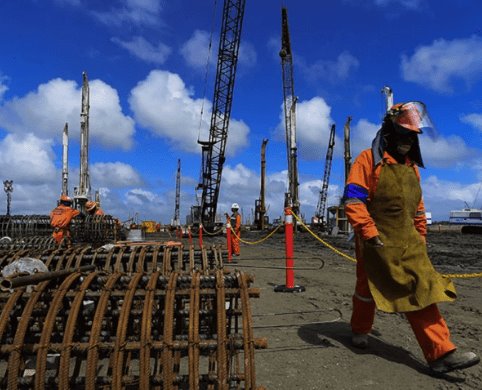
(453, 276)
(213, 233)
(255, 242)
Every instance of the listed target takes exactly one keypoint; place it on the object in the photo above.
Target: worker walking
(235, 221)
(93, 208)
(60, 218)
(383, 203)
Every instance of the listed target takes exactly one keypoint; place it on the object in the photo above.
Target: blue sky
(151, 76)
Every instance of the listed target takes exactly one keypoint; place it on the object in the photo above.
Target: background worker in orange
(235, 221)
(93, 208)
(60, 218)
(383, 202)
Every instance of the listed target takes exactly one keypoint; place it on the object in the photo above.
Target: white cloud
(144, 50)
(444, 152)
(362, 135)
(164, 104)
(474, 120)
(3, 86)
(138, 12)
(27, 159)
(114, 174)
(247, 55)
(313, 125)
(329, 70)
(439, 65)
(45, 111)
(195, 50)
(410, 4)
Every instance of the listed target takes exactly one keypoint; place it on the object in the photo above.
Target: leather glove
(375, 241)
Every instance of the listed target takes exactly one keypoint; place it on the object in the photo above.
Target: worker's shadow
(320, 334)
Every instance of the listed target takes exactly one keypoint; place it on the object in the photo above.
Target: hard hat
(235, 206)
(90, 205)
(65, 199)
(410, 116)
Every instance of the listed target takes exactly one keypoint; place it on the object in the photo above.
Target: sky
(151, 66)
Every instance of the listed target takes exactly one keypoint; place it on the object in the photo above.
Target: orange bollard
(289, 252)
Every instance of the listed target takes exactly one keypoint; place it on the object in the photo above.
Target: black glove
(375, 241)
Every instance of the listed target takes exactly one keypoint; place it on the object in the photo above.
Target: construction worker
(60, 218)
(383, 202)
(235, 221)
(93, 208)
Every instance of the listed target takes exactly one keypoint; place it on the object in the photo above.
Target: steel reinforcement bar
(138, 331)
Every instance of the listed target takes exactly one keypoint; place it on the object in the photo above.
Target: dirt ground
(308, 332)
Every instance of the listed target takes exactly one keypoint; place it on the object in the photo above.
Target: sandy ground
(308, 332)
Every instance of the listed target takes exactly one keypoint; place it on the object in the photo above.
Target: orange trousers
(427, 324)
(235, 242)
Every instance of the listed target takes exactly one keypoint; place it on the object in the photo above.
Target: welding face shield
(410, 117)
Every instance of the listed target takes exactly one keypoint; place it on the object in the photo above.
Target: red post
(228, 241)
(189, 234)
(200, 235)
(290, 261)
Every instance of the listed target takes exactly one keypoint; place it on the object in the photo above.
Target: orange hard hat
(65, 198)
(412, 116)
(90, 205)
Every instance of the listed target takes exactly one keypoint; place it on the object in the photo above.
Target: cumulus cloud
(45, 111)
(136, 12)
(3, 86)
(114, 175)
(330, 70)
(163, 104)
(144, 50)
(362, 134)
(439, 65)
(410, 4)
(313, 125)
(445, 151)
(475, 120)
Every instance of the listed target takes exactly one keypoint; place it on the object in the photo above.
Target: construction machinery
(177, 220)
(213, 150)
(83, 190)
(65, 160)
(319, 220)
(388, 92)
(289, 104)
(260, 218)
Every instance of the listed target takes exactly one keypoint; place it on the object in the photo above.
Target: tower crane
(260, 207)
(213, 150)
(321, 207)
(177, 220)
(289, 104)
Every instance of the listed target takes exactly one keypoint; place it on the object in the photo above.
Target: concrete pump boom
(289, 103)
(213, 151)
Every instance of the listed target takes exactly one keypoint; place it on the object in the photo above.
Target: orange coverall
(235, 221)
(60, 219)
(427, 323)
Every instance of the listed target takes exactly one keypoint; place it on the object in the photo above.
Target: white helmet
(235, 206)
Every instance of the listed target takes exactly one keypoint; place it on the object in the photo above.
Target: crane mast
(260, 207)
(65, 160)
(289, 104)
(233, 12)
(346, 131)
(321, 207)
(83, 190)
(177, 219)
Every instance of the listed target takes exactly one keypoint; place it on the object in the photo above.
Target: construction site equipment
(260, 218)
(346, 132)
(177, 219)
(8, 188)
(213, 150)
(139, 330)
(289, 104)
(83, 190)
(65, 160)
(320, 219)
(387, 91)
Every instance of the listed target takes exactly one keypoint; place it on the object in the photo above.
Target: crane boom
(289, 104)
(233, 12)
(321, 207)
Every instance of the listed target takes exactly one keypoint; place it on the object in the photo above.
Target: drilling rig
(83, 191)
(213, 150)
(289, 104)
(176, 220)
(260, 207)
(319, 218)
(65, 160)
(387, 91)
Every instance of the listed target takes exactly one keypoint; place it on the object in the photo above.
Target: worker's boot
(359, 340)
(454, 360)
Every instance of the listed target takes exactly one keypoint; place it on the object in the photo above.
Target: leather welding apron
(400, 274)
